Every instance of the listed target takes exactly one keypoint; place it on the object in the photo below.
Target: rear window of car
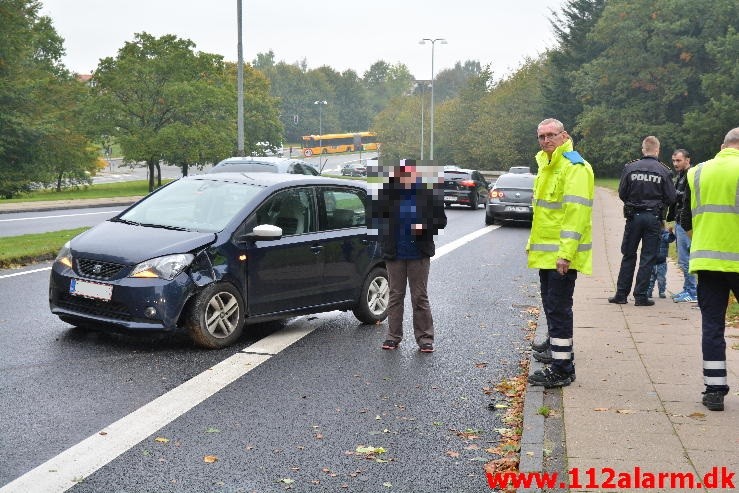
(457, 175)
(515, 180)
(241, 166)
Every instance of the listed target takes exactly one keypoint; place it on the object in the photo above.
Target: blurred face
(680, 162)
(550, 136)
(407, 175)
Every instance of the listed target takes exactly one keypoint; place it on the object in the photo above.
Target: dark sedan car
(510, 198)
(208, 253)
(354, 169)
(266, 164)
(465, 187)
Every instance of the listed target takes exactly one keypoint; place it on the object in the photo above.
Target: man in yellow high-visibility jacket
(711, 211)
(560, 244)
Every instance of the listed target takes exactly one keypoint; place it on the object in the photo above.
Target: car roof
(516, 180)
(275, 179)
(261, 159)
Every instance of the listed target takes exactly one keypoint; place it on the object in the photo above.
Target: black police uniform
(646, 190)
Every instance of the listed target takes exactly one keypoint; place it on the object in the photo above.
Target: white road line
(24, 272)
(66, 469)
(60, 215)
(443, 250)
(62, 472)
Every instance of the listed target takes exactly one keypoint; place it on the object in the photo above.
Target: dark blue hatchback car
(209, 253)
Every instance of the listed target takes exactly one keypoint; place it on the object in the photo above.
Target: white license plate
(513, 208)
(87, 289)
(450, 198)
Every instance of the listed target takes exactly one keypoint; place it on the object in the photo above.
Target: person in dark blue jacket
(659, 271)
(407, 213)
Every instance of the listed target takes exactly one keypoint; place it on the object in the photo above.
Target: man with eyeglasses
(646, 190)
(560, 244)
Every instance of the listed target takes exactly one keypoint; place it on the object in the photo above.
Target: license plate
(450, 198)
(513, 208)
(87, 289)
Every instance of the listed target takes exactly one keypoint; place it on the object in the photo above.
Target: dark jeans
(556, 298)
(415, 274)
(713, 299)
(644, 228)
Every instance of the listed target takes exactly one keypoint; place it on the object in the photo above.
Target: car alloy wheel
(374, 298)
(216, 316)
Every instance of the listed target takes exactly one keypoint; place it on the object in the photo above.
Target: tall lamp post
(422, 85)
(240, 86)
(320, 104)
(433, 43)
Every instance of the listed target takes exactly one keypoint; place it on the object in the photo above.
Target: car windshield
(515, 180)
(192, 204)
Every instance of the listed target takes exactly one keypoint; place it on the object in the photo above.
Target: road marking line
(449, 247)
(60, 215)
(64, 471)
(25, 272)
(76, 463)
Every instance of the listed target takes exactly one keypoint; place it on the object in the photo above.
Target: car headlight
(167, 267)
(64, 256)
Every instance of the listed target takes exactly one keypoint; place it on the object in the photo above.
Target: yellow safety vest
(563, 207)
(714, 205)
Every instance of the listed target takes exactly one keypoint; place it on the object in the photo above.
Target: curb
(532, 439)
(53, 205)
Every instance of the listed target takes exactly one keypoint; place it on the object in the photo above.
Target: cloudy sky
(343, 35)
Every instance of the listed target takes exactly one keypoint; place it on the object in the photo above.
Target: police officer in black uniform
(646, 190)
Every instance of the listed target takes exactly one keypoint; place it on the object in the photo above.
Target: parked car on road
(464, 187)
(354, 169)
(208, 253)
(266, 164)
(510, 198)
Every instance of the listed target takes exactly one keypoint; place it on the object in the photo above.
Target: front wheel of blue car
(216, 316)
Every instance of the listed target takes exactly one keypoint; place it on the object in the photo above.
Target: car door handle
(316, 249)
(365, 241)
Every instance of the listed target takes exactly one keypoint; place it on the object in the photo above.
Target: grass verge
(26, 249)
(97, 191)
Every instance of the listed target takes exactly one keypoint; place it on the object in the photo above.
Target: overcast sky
(340, 34)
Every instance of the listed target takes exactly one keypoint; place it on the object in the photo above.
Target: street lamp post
(433, 43)
(320, 104)
(422, 85)
(240, 86)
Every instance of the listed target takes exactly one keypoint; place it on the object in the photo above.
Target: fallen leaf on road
(625, 411)
(452, 453)
(161, 439)
(209, 459)
(697, 415)
(600, 409)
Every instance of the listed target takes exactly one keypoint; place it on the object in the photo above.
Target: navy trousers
(713, 299)
(644, 228)
(556, 298)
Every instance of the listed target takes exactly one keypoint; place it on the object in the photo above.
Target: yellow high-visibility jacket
(563, 207)
(714, 205)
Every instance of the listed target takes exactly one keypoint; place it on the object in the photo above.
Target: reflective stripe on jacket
(563, 206)
(714, 205)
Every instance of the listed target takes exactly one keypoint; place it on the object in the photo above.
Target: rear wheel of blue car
(216, 316)
(375, 296)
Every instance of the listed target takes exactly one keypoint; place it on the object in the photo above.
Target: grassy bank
(26, 249)
(97, 191)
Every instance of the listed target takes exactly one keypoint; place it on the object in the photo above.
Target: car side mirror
(263, 232)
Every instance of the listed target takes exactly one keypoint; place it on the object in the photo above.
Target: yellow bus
(331, 143)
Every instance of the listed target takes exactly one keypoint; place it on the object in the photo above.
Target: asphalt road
(295, 421)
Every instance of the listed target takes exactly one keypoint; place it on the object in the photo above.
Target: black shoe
(619, 300)
(426, 347)
(714, 401)
(543, 356)
(541, 346)
(390, 344)
(643, 302)
(550, 377)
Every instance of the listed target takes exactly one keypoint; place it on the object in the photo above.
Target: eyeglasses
(542, 138)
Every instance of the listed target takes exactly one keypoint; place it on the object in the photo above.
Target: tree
(448, 83)
(158, 95)
(385, 82)
(41, 139)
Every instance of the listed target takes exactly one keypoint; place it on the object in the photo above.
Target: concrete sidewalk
(637, 398)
